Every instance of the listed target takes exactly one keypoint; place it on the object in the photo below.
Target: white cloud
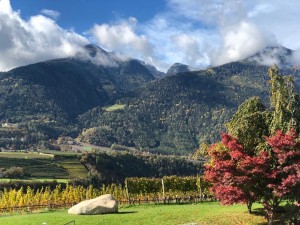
(38, 39)
(5, 7)
(259, 9)
(189, 46)
(178, 41)
(239, 28)
(280, 18)
(193, 32)
(51, 13)
(296, 58)
(122, 37)
(213, 12)
(241, 41)
(99, 56)
(272, 56)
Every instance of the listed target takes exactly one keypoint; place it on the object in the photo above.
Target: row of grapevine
(170, 186)
(11, 198)
(141, 189)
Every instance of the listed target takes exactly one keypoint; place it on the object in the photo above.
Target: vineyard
(135, 191)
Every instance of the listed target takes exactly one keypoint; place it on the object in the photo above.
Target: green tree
(14, 172)
(201, 152)
(283, 101)
(253, 120)
(250, 123)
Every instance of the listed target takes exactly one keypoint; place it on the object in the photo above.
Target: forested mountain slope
(177, 113)
(48, 96)
(105, 100)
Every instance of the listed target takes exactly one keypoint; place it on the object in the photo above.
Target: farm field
(44, 166)
(3, 180)
(201, 214)
(72, 165)
(27, 155)
(36, 167)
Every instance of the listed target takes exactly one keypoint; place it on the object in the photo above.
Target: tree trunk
(270, 216)
(249, 206)
(270, 207)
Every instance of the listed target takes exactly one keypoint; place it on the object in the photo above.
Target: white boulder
(100, 205)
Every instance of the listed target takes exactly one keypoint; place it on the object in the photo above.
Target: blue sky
(160, 32)
(83, 14)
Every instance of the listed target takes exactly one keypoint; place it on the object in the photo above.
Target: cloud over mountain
(241, 41)
(37, 39)
(121, 37)
(193, 32)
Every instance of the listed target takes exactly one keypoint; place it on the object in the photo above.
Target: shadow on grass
(258, 212)
(280, 217)
(126, 212)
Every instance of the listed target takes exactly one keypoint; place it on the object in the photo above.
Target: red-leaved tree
(229, 183)
(267, 176)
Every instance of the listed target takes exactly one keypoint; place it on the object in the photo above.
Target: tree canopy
(270, 176)
(259, 158)
(254, 120)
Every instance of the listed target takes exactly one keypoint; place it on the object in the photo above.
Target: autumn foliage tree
(270, 176)
(225, 172)
(259, 160)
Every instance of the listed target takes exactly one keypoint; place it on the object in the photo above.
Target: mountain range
(103, 99)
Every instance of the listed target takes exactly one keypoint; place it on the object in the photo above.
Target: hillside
(177, 113)
(46, 97)
(66, 87)
(104, 100)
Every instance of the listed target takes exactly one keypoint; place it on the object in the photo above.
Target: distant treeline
(115, 167)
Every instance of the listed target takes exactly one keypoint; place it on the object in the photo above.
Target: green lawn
(115, 107)
(202, 214)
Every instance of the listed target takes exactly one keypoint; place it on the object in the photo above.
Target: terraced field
(35, 167)
(44, 165)
(73, 166)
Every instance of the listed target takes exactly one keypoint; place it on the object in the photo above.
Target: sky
(198, 33)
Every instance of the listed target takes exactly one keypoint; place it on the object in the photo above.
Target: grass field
(59, 153)
(201, 214)
(23, 155)
(115, 107)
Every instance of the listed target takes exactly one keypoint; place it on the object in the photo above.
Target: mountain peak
(94, 50)
(178, 68)
(156, 73)
(272, 55)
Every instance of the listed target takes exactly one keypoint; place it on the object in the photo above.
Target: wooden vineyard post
(163, 189)
(200, 189)
(127, 191)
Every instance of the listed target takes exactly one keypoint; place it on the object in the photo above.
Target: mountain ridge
(166, 114)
